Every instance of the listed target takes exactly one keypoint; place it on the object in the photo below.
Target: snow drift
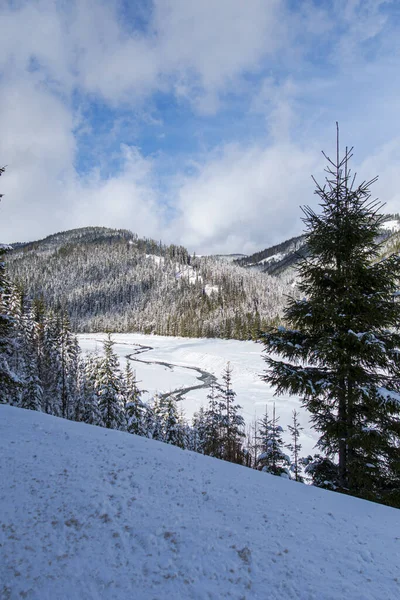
(92, 513)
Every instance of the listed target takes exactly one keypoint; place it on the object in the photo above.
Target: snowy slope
(89, 513)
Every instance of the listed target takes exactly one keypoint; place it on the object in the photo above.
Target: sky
(198, 122)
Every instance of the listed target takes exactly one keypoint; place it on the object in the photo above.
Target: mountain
(113, 280)
(276, 259)
(280, 260)
(94, 513)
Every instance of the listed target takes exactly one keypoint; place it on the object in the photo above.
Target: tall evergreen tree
(212, 444)
(9, 380)
(340, 347)
(132, 399)
(295, 447)
(198, 434)
(232, 422)
(272, 458)
(32, 391)
(108, 387)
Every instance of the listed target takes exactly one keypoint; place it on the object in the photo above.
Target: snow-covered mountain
(92, 513)
(280, 260)
(111, 279)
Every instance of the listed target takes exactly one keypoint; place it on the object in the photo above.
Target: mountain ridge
(112, 279)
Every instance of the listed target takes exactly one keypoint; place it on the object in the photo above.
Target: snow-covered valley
(185, 355)
(89, 513)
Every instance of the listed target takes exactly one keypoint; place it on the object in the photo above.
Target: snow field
(210, 355)
(92, 513)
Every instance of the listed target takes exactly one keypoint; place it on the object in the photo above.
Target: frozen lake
(184, 355)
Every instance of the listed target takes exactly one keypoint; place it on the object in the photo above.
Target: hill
(281, 259)
(93, 513)
(113, 280)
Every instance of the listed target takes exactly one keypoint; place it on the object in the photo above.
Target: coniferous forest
(334, 340)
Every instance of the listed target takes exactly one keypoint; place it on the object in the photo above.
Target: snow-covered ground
(88, 513)
(392, 225)
(210, 355)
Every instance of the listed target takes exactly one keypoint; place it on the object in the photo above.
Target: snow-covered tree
(108, 387)
(212, 444)
(232, 422)
(295, 447)
(198, 432)
(272, 458)
(134, 407)
(340, 345)
(9, 380)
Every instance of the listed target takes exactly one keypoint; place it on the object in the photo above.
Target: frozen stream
(206, 378)
(187, 366)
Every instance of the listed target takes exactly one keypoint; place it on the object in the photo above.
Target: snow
(92, 513)
(272, 258)
(210, 355)
(186, 272)
(158, 260)
(211, 289)
(392, 225)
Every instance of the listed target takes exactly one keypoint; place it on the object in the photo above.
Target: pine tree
(340, 346)
(232, 423)
(87, 404)
(294, 447)
(272, 458)
(108, 387)
(198, 434)
(9, 380)
(134, 407)
(172, 429)
(213, 425)
(32, 391)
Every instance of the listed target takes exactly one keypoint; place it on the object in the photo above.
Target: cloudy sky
(192, 121)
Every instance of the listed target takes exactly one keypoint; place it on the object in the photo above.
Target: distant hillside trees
(110, 280)
(340, 347)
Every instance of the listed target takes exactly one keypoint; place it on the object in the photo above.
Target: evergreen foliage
(8, 378)
(108, 387)
(111, 280)
(340, 347)
(231, 421)
(212, 442)
(272, 458)
(295, 447)
(133, 406)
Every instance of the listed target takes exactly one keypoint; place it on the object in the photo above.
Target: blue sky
(192, 122)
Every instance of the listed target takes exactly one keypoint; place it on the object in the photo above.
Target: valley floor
(185, 355)
(89, 513)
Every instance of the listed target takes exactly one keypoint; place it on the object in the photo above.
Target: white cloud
(241, 196)
(245, 199)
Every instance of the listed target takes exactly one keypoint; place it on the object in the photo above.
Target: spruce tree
(198, 432)
(9, 381)
(108, 387)
(294, 447)
(32, 391)
(133, 405)
(340, 345)
(212, 444)
(272, 458)
(232, 422)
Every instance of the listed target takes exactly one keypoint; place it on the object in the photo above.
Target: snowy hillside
(90, 513)
(113, 280)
